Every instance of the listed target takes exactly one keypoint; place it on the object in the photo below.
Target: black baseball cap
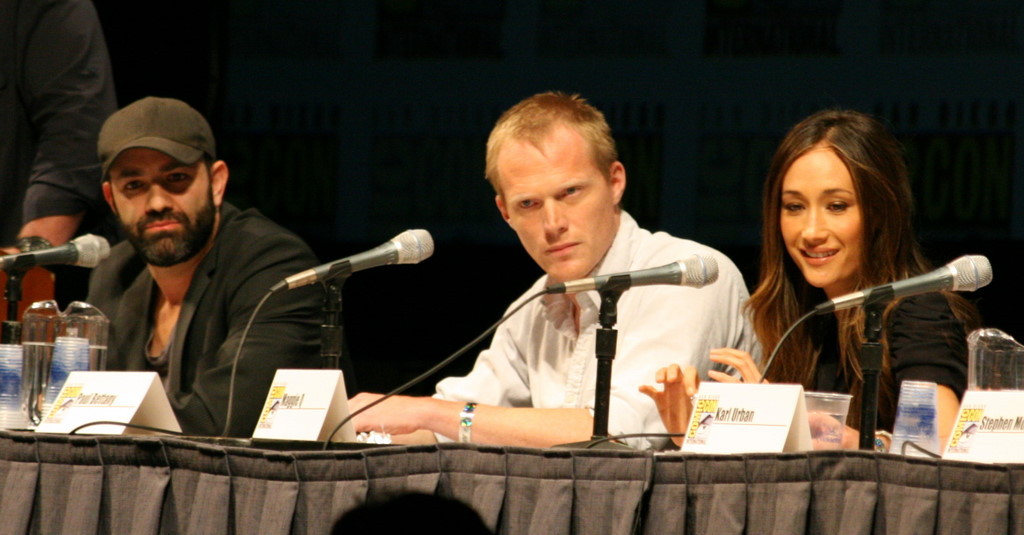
(164, 124)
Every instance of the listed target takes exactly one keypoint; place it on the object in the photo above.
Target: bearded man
(180, 291)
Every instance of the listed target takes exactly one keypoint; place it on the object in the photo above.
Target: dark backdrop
(351, 121)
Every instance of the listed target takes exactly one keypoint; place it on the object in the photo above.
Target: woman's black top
(926, 343)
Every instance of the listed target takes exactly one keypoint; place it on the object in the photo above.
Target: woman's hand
(741, 361)
(673, 401)
(828, 433)
(680, 385)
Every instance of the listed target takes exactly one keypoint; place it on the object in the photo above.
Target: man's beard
(169, 248)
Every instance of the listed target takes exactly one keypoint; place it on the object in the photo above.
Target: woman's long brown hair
(890, 251)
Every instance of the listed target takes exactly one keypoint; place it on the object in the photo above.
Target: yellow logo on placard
(966, 426)
(703, 415)
(65, 400)
(273, 401)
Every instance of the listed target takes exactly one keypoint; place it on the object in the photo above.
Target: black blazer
(250, 255)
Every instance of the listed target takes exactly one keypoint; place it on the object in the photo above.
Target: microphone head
(970, 272)
(413, 246)
(699, 271)
(91, 250)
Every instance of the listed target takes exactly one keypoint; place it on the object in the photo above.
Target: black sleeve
(928, 343)
(67, 91)
(285, 333)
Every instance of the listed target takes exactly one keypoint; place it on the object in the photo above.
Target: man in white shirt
(553, 165)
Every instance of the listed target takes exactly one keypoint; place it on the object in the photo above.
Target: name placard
(131, 397)
(305, 405)
(745, 418)
(989, 428)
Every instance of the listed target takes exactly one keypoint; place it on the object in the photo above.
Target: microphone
(85, 251)
(409, 247)
(695, 272)
(965, 274)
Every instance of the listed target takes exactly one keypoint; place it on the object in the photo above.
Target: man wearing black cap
(181, 290)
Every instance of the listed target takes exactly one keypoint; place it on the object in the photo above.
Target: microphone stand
(871, 367)
(605, 346)
(331, 331)
(10, 333)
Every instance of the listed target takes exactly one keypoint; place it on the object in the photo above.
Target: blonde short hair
(534, 118)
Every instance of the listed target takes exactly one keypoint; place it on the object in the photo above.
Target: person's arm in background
(56, 229)
(67, 92)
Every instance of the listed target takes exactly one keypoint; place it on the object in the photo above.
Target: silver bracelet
(466, 422)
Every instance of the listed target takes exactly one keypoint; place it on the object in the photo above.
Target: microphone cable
(234, 363)
(125, 424)
(231, 382)
(434, 369)
(602, 440)
(395, 392)
(785, 335)
(918, 447)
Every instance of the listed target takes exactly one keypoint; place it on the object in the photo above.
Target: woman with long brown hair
(837, 212)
